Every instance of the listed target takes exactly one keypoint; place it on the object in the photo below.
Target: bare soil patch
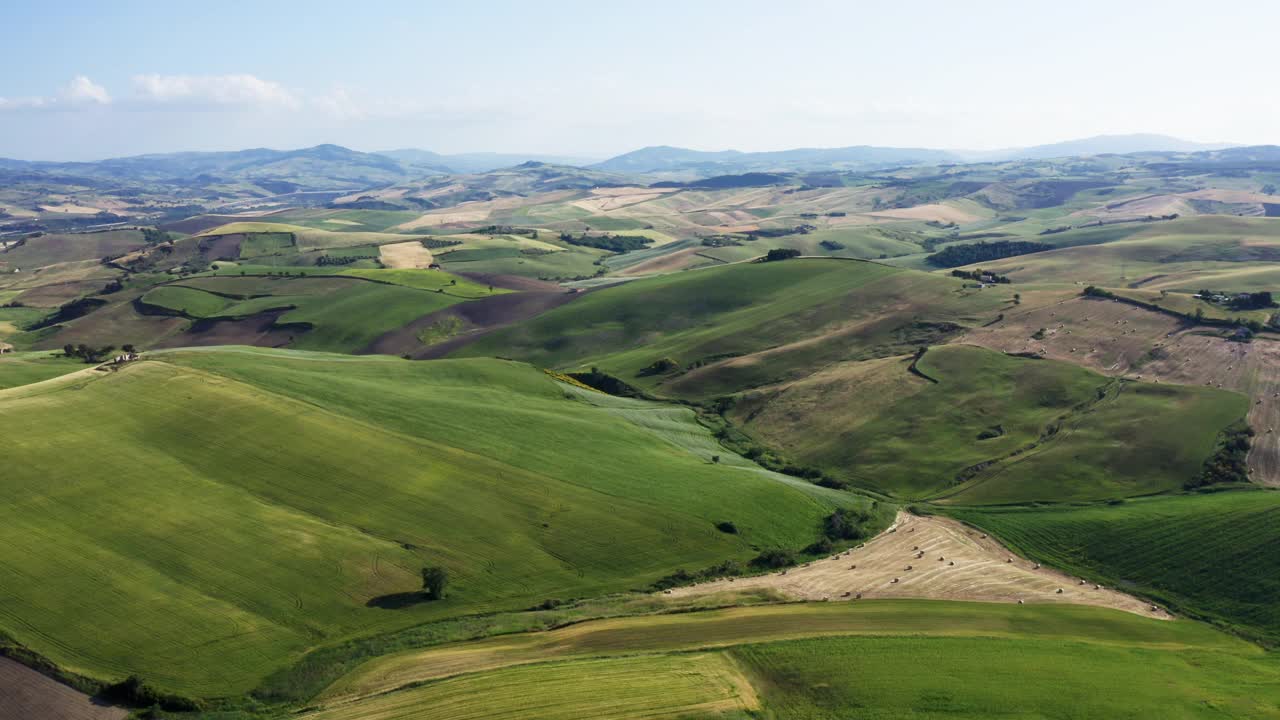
(931, 558)
(25, 693)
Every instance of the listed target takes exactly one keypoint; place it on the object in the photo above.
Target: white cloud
(214, 90)
(83, 90)
(80, 92)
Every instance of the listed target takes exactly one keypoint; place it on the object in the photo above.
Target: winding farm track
(1121, 340)
(25, 693)
(958, 563)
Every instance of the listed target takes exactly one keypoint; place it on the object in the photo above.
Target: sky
(91, 80)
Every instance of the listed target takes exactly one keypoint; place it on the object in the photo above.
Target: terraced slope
(204, 517)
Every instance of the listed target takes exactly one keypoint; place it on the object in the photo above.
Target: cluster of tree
(606, 383)
(1228, 463)
(957, 255)
(154, 236)
(716, 241)
(777, 254)
(509, 230)
(1242, 301)
(437, 244)
(93, 355)
(804, 229)
(133, 692)
(832, 245)
(69, 311)
(980, 276)
(612, 243)
(324, 260)
(661, 366)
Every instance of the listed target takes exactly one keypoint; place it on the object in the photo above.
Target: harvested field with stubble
(931, 558)
(412, 254)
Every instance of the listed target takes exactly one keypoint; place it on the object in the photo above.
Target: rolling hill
(204, 517)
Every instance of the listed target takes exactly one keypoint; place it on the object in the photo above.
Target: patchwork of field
(1122, 340)
(292, 498)
(1236, 254)
(931, 558)
(732, 327)
(825, 660)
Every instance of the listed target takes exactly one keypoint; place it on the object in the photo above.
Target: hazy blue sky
(86, 80)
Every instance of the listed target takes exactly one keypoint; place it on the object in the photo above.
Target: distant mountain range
(332, 167)
(667, 159)
(477, 162)
(1097, 145)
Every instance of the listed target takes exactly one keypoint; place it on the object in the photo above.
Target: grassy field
(21, 368)
(1212, 555)
(205, 518)
(1029, 429)
(834, 660)
(739, 326)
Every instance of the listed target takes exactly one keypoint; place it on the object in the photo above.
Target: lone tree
(434, 582)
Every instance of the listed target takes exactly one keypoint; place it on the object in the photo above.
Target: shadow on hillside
(397, 601)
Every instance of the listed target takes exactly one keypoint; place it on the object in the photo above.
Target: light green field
(1030, 429)
(22, 368)
(187, 301)
(427, 280)
(875, 658)
(204, 518)
(1211, 555)
(788, 318)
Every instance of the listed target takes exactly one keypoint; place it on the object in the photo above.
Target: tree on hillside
(434, 582)
(781, 254)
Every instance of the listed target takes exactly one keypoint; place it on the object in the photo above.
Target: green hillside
(738, 326)
(202, 518)
(1210, 555)
(976, 426)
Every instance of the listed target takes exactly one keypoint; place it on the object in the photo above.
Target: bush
(844, 524)
(776, 558)
(725, 526)
(821, 546)
(133, 692)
